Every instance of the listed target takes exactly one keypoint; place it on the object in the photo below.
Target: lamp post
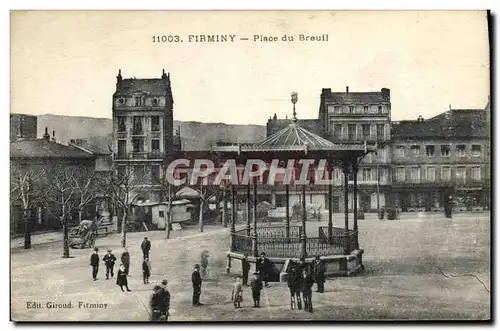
(294, 100)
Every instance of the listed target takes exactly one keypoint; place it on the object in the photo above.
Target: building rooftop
(42, 148)
(153, 86)
(347, 97)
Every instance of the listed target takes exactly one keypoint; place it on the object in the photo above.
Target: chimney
(326, 92)
(163, 74)
(386, 94)
(46, 135)
(347, 89)
(119, 79)
(53, 136)
(275, 117)
(450, 107)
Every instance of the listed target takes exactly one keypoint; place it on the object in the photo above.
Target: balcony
(137, 133)
(135, 156)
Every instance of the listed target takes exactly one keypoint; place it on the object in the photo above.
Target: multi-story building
(443, 156)
(354, 117)
(143, 133)
(23, 126)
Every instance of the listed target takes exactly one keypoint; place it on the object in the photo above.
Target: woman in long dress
(121, 278)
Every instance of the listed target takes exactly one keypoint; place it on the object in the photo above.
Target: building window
(122, 124)
(155, 145)
(476, 173)
(351, 109)
(366, 109)
(138, 101)
(400, 150)
(430, 150)
(122, 147)
(431, 174)
(367, 174)
(137, 125)
(446, 173)
(139, 172)
(415, 174)
(380, 131)
(365, 128)
(351, 131)
(460, 175)
(400, 174)
(155, 123)
(337, 109)
(461, 150)
(161, 214)
(379, 109)
(337, 131)
(122, 170)
(155, 173)
(445, 150)
(138, 145)
(155, 102)
(415, 149)
(476, 150)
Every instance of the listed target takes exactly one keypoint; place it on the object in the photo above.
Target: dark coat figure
(146, 270)
(126, 261)
(121, 278)
(165, 305)
(245, 266)
(196, 280)
(448, 206)
(294, 283)
(264, 269)
(307, 283)
(256, 286)
(109, 260)
(155, 303)
(319, 275)
(94, 262)
(145, 247)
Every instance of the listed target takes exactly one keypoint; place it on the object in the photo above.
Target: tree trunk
(27, 229)
(65, 237)
(168, 219)
(80, 216)
(224, 208)
(200, 222)
(124, 228)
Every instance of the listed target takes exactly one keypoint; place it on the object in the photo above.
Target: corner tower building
(143, 129)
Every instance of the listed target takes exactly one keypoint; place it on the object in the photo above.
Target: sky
(66, 63)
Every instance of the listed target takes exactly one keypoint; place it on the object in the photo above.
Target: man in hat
(109, 260)
(145, 247)
(245, 266)
(319, 274)
(155, 303)
(265, 268)
(256, 286)
(165, 294)
(196, 280)
(125, 258)
(307, 283)
(94, 262)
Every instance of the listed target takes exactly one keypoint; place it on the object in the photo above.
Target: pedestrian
(307, 283)
(256, 286)
(319, 274)
(165, 307)
(294, 284)
(109, 260)
(94, 262)
(146, 270)
(237, 293)
(126, 260)
(155, 303)
(196, 280)
(448, 206)
(265, 268)
(245, 266)
(121, 278)
(145, 247)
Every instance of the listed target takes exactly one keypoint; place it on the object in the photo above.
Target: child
(256, 286)
(237, 295)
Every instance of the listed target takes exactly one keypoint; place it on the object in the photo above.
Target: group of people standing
(300, 281)
(124, 269)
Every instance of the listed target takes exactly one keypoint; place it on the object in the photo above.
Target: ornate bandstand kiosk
(284, 244)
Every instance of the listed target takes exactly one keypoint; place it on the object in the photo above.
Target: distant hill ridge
(194, 135)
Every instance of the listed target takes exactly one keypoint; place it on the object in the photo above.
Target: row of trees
(63, 189)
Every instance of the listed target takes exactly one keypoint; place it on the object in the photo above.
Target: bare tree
(169, 194)
(25, 187)
(85, 183)
(206, 192)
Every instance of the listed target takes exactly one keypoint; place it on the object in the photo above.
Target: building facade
(143, 133)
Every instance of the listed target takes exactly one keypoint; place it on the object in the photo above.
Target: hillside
(194, 135)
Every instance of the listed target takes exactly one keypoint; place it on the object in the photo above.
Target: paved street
(401, 279)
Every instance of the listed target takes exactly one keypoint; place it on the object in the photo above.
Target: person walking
(126, 260)
(94, 262)
(109, 260)
(265, 268)
(121, 278)
(307, 283)
(256, 286)
(155, 303)
(146, 270)
(294, 284)
(145, 247)
(196, 280)
(319, 274)
(245, 266)
(237, 293)
(165, 307)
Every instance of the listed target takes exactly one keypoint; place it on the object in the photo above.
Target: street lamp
(294, 100)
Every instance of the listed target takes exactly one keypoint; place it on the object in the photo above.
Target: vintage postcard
(240, 166)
